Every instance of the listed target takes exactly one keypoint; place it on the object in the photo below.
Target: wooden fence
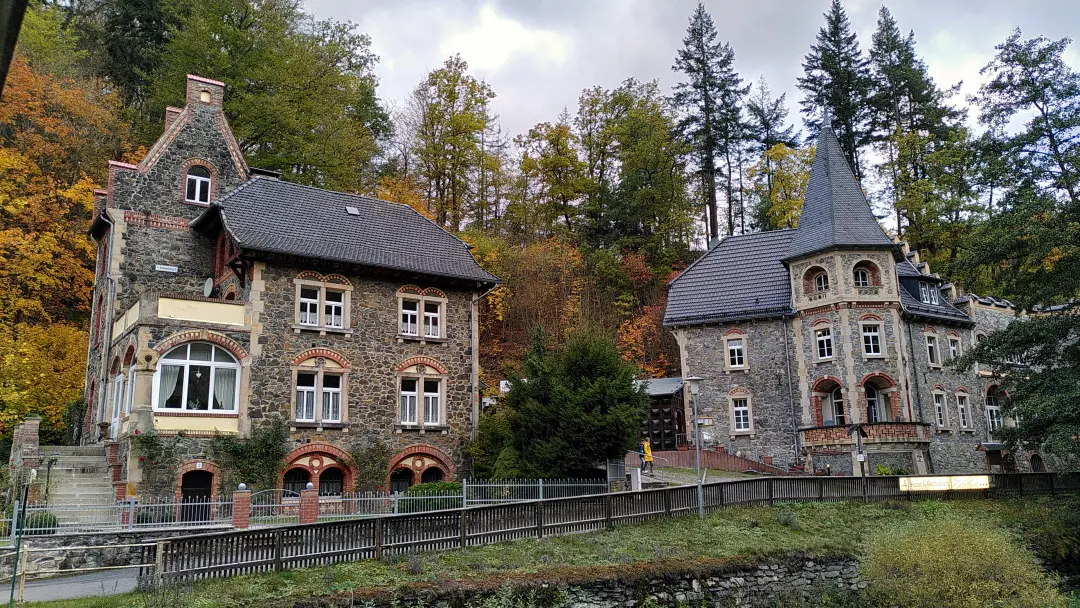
(272, 549)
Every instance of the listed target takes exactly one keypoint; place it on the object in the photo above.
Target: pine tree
(837, 79)
(767, 129)
(698, 99)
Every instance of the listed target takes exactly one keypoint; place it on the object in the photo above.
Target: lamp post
(695, 388)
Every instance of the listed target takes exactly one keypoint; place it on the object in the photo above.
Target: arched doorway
(331, 482)
(296, 479)
(1037, 464)
(880, 403)
(431, 475)
(400, 480)
(196, 487)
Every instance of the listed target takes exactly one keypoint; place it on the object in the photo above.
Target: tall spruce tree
(699, 101)
(837, 78)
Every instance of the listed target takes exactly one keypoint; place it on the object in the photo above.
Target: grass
(732, 535)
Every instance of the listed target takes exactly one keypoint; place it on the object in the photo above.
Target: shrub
(37, 523)
(433, 496)
(953, 563)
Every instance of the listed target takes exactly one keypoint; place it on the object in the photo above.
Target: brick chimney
(203, 91)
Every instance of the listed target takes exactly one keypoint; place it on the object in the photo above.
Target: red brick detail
(309, 506)
(434, 292)
(320, 352)
(961, 389)
(869, 317)
(342, 458)
(202, 335)
(311, 275)
(171, 114)
(411, 290)
(929, 330)
(885, 432)
(817, 322)
(886, 379)
(815, 408)
(421, 360)
(194, 465)
(136, 218)
(205, 80)
(822, 380)
(337, 279)
(442, 462)
(954, 333)
(808, 278)
(734, 331)
(214, 181)
(875, 273)
(241, 509)
(122, 165)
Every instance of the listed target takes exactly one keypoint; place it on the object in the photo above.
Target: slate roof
(742, 277)
(942, 311)
(269, 215)
(661, 387)
(835, 211)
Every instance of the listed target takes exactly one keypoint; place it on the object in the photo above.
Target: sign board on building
(504, 386)
(944, 483)
(860, 457)
(705, 421)
(166, 268)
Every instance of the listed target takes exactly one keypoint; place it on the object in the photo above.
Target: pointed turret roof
(835, 211)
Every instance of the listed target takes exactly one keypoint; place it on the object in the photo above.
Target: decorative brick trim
(320, 352)
(817, 383)
(938, 387)
(205, 80)
(344, 462)
(886, 378)
(153, 220)
(869, 317)
(214, 181)
(734, 331)
(821, 322)
(202, 335)
(421, 360)
(442, 462)
(122, 165)
(311, 275)
(953, 333)
(962, 389)
(929, 330)
(412, 290)
(336, 279)
(193, 465)
(875, 272)
(434, 292)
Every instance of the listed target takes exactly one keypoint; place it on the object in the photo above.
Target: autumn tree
(549, 154)
(779, 185)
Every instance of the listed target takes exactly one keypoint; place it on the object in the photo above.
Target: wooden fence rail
(241, 552)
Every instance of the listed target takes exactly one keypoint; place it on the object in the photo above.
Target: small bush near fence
(951, 562)
(437, 495)
(37, 523)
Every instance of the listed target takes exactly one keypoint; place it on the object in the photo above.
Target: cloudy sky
(539, 54)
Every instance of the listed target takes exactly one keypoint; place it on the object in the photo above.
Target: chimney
(171, 114)
(203, 91)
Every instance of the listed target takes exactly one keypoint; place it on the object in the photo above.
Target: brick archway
(421, 360)
(198, 465)
(416, 458)
(821, 386)
(316, 463)
(203, 335)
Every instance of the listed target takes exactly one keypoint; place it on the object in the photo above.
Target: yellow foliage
(41, 372)
(406, 191)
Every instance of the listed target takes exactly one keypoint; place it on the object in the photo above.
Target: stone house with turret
(226, 298)
(828, 346)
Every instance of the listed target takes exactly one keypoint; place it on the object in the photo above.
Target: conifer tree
(837, 78)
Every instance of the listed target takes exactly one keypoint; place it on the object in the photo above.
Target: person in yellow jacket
(648, 456)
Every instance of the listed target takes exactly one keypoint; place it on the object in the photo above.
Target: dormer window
(821, 282)
(928, 293)
(198, 185)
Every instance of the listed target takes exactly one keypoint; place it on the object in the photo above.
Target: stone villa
(828, 345)
(225, 298)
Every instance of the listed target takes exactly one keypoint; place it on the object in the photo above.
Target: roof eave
(718, 319)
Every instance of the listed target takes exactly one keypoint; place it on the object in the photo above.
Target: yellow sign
(944, 484)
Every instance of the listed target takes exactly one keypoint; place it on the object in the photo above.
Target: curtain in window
(170, 374)
(224, 388)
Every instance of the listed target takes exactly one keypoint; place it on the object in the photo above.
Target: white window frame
(320, 391)
(994, 419)
(878, 405)
(934, 295)
(422, 400)
(821, 282)
(405, 397)
(202, 186)
(331, 394)
(735, 352)
(325, 320)
(309, 395)
(933, 356)
(869, 337)
(956, 348)
(741, 413)
(312, 305)
(432, 401)
(924, 292)
(832, 404)
(421, 319)
(185, 365)
(823, 338)
(129, 398)
(941, 410)
(868, 280)
(963, 410)
(433, 320)
(118, 398)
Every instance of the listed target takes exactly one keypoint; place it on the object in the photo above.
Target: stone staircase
(80, 476)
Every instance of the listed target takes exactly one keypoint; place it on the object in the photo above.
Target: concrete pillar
(31, 442)
(241, 508)
(309, 506)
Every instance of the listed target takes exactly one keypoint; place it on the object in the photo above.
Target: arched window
(862, 277)
(832, 408)
(1037, 464)
(296, 479)
(331, 482)
(431, 475)
(875, 410)
(994, 401)
(821, 282)
(197, 189)
(198, 377)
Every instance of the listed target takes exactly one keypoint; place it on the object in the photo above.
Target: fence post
(769, 486)
(608, 523)
(378, 538)
(159, 563)
(539, 519)
(277, 550)
(667, 501)
(1020, 478)
(309, 505)
(15, 522)
(395, 504)
(821, 489)
(131, 513)
(865, 482)
(464, 528)
(541, 489)
(1053, 491)
(464, 494)
(241, 509)
(22, 574)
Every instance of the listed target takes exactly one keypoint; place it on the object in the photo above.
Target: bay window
(197, 377)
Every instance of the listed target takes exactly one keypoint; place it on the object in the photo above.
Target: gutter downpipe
(106, 344)
(475, 345)
(791, 394)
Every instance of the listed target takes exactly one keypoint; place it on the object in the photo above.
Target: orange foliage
(640, 342)
(406, 191)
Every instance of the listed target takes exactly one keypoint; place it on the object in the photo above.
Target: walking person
(647, 449)
(641, 454)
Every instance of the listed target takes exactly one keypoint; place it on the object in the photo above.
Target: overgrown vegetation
(158, 456)
(573, 407)
(642, 552)
(372, 461)
(254, 460)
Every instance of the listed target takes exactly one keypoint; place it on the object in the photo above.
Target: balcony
(182, 310)
(877, 434)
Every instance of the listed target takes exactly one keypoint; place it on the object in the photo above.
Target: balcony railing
(877, 433)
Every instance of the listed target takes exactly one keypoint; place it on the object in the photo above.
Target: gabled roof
(660, 387)
(835, 211)
(742, 277)
(269, 215)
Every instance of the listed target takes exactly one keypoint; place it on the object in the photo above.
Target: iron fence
(43, 518)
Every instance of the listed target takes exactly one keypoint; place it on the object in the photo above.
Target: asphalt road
(90, 584)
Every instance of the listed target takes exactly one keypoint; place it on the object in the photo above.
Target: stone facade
(150, 299)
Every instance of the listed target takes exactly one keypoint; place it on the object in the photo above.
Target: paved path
(90, 584)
